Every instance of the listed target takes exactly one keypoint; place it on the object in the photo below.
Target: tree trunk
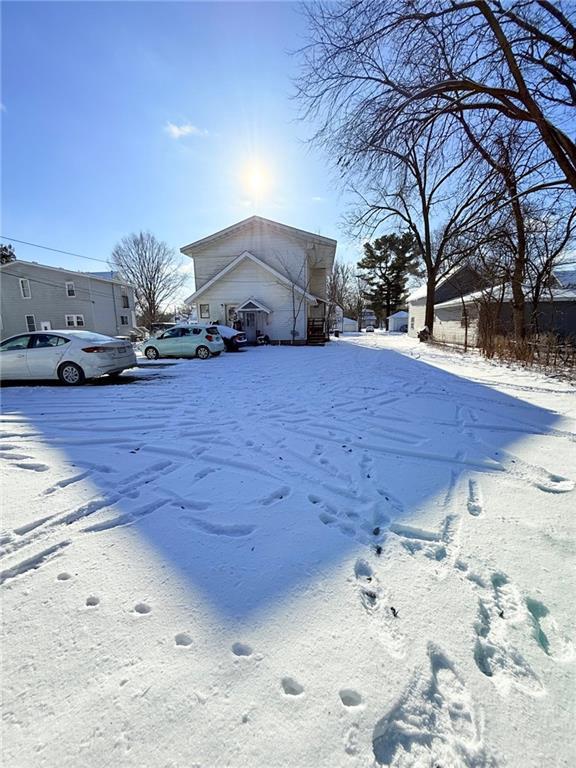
(430, 297)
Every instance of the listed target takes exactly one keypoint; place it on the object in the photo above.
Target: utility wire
(56, 250)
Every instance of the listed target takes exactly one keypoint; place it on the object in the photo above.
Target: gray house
(462, 299)
(36, 297)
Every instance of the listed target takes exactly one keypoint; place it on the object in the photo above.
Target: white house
(264, 277)
(342, 323)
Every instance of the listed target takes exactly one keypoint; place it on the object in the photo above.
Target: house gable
(257, 278)
(301, 255)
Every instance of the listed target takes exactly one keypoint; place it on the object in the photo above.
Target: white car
(71, 356)
(369, 329)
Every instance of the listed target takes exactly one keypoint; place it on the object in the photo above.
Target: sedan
(185, 341)
(233, 340)
(71, 356)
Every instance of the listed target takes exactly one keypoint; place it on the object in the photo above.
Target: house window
(411, 323)
(123, 319)
(125, 301)
(25, 288)
(30, 323)
(204, 311)
(73, 321)
(70, 290)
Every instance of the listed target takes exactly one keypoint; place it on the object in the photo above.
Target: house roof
(553, 294)
(235, 262)
(252, 304)
(566, 277)
(248, 222)
(91, 275)
(400, 313)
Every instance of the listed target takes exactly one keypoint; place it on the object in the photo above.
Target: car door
(168, 342)
(44, 355)
(13, 357)
(189, 341)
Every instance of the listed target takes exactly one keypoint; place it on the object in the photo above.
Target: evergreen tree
(385, 268)
(7, 254)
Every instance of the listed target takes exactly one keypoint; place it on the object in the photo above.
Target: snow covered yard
(357, 555)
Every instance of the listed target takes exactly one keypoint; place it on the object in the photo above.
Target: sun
(256, 179)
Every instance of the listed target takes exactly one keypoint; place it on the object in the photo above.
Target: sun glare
(256, 180)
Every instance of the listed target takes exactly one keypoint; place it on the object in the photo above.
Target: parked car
(232, 338)
(185, 341)
(369, 329)
(71, 356)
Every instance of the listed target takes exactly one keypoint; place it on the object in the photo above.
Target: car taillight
(96, 349)
(209, 337)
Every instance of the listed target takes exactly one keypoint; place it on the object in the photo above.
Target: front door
(250, 326)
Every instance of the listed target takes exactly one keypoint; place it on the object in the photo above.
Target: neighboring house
(342, 323)
(462, 297)
(458, 283)
(264, 277)
(36, 297)
(398, 321)
(368, 317)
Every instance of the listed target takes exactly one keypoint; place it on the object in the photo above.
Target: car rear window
(212, 329)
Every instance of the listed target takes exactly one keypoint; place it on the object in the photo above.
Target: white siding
(288, 255)
(448, 325)
(416, 316)
(249, 280)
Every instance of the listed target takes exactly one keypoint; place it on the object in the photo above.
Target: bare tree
(550, 234)
(340, 283)
(151, 266)
(411, 63)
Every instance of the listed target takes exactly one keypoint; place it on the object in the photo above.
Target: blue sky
(121, 116)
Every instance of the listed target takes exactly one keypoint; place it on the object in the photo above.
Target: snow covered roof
(400, 313)
(555, 294)
(419, 293)
(566, 277)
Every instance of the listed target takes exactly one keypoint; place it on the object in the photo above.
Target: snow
(355, 555)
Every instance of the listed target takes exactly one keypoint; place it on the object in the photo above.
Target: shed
(398, 321)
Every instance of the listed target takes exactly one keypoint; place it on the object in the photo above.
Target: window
(125, 301)
(172, 333)
(47, 340)
(70, 290)
(30, 323)
(205, 311)
(123, 319)
(73, 321)
(20, 342)
(412, 323)
(25, 288)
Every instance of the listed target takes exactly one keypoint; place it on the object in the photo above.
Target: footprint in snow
(292, 687)
(92, 601)
(63, 576)
(142, 608)
(241, 649)
(183, 639)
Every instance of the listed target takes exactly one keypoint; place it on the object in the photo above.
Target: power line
(56, 250)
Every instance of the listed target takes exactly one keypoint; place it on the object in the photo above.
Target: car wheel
(151, 353)
(71, 374)
(203, 353)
